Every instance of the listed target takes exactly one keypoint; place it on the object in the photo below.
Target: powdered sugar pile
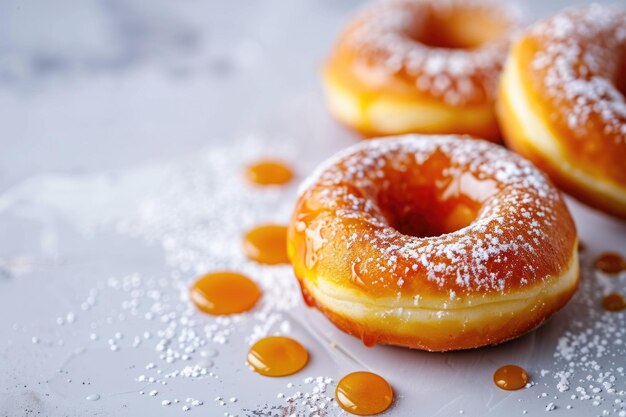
(389, 32)
(580, 61)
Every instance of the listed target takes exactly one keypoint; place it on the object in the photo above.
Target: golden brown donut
(562, 103)
(433, 242)
(423, 66)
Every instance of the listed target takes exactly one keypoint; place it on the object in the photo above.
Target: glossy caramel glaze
(442, 55)
(404, 216)
(610, 263)
(277, 356)
(364, 393)
(224, 293)
(266, 244)
(415, 226)
(578, 100)
(510, 377)
(268, 172)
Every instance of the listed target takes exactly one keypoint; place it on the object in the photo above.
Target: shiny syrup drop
(369, 339)
(510, 377)
(224, 293)
(614, 302)
(277, 356)
(364, 393)
(611, 263)
(268, 173)
(266, 244)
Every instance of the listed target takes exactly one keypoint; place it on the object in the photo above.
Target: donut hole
(430, 200)
(428, 215)
(461, 29)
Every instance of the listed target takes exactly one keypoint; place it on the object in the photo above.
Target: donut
(433, 242)
(420, 66)
(561, 103)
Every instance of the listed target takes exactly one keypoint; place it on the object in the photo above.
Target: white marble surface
(124, 128)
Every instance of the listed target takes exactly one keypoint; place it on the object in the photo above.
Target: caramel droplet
(224, 293)
(369, 339)
(510, 377)
(611, 263)
(267, 244)
(364, 393)
(269, 173)
(614, 302)
(277, 356)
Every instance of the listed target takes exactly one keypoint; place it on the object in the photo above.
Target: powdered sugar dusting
(196, 210)
(580, 64)
(390, 31)
(583, 350)
(514, 222)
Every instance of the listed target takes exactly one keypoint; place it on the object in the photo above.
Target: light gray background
(88, 87)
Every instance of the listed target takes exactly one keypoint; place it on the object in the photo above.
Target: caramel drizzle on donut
(517, 220)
